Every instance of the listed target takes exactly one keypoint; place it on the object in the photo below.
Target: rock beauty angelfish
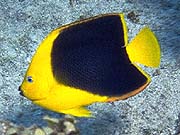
(89, 61)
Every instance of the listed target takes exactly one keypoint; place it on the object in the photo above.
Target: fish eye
(29, 79)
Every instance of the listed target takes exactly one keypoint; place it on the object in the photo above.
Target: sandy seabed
(155, 111)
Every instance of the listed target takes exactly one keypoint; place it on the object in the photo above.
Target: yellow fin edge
(124, 29)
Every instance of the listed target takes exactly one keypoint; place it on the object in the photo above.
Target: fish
(89, 61)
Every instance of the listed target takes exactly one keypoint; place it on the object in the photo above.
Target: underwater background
(155, 111)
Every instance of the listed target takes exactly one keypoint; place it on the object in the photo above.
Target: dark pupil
(29, 79)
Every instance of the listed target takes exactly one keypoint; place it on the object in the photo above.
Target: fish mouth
(20, 91)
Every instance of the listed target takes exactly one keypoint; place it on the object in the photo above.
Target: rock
(69, 127)
(39, 131)
(51, 120)
(48, 130)
(11, 131)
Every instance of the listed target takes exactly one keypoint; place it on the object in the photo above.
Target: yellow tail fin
(144, 49)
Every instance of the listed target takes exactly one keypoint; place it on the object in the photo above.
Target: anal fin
(79, 112)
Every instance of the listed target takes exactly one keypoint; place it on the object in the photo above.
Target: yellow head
(39, 78)
(35, 85)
